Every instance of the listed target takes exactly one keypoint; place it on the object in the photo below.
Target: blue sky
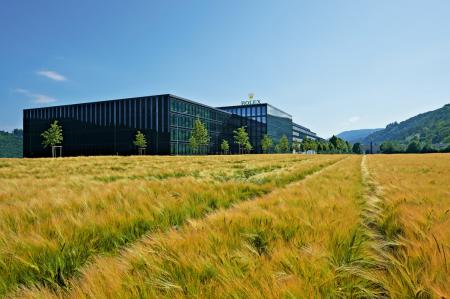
(334, 65)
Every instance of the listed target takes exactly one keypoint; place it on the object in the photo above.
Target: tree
(348, 147)
(391, 147)
(248, 147)
(53, 136)
(266, 143)
(241, 138)
(413, 147)
(225, 147)
(283, 144)
(17, 132)
(357, 148)
(334, 141)
(339, 144)
(140, 141)
(277, 148)
(296, 146)
(199, 138)
(428, 148)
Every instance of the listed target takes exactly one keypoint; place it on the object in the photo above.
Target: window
(123, 104)
(121, 115)
(115, 109)
(145, 113)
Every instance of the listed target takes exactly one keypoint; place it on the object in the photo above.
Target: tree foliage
(357, 149)
(392, 147)
(266, 143)
(140, 141)
(199, 139)
(11, 144)
(248, 147)
(225, 146)
(52, 136)
(283, 145)
(430, 127)
(241, 138)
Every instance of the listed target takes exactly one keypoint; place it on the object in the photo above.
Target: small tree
(248, 147)
(193, 144)
(296, 146)
(52, 137)
(241, 138)
(199, 136)
(225, 147)
(357, 148)
(141, 142)
(266, 144)
(283, 144)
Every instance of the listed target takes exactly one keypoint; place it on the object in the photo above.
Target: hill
(429, 127)
(11, 144)
(353, 136)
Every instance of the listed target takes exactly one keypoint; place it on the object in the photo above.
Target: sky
(334, 65)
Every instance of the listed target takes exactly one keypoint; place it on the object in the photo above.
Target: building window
(115, 110)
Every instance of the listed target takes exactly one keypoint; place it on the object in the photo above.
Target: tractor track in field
(302, 177)
(385, 251)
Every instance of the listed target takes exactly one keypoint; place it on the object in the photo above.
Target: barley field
(248, 226)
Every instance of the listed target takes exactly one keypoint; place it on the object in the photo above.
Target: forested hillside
(11, 144)
(431, 127)
(353, 136)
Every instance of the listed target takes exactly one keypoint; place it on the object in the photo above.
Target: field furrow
(58, 216)
(413, 223)
(288, 243)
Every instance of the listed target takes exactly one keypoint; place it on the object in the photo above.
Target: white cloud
(52, 75)
(36, 97)
(353, 119)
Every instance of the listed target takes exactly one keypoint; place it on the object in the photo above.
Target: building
(109, 127)
(300, 132)
(263, 119)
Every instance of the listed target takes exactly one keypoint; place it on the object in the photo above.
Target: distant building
(109, 127)
(300, 132)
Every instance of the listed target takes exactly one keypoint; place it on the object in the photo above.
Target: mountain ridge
(429, 127)
(358, 135)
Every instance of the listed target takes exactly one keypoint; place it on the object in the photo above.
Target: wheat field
(244, 226)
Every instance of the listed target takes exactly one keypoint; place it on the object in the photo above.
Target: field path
(277, 245)
(53, 261)
(407, 223)
(385, 268)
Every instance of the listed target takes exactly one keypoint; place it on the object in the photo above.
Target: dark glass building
(263, 119)
(109, 127)
(300, 132)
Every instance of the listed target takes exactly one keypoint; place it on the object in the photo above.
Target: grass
(267, 226)
(51, 227)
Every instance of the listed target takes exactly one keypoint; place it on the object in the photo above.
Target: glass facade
(263, 119)
(109, 127)
(279, 124)
(300, 132)
(182, 115)
(100, 128)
